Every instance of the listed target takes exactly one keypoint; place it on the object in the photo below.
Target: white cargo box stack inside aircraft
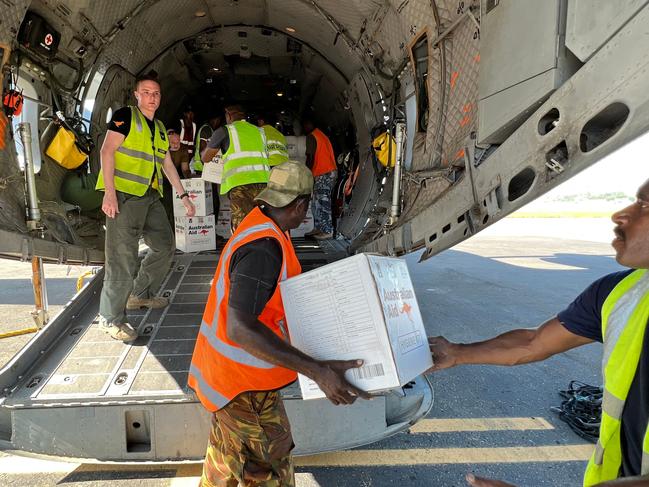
(197, 233)
(224, 217)
(200, 193)
(363, 307)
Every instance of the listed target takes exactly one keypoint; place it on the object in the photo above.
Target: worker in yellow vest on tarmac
(134, 155)
(243, 356)
(613, 310)
(245, 159)
(275, 140)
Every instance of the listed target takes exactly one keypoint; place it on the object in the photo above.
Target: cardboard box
(200, 192)
(213, 171)
(296, 146)
(305, 227)
(362, 307)
(195, 234)
(223, 218)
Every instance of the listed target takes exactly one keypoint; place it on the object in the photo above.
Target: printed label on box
(200, 194)
(195, 234)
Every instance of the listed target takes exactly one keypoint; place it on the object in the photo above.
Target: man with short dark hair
(245, 159)
(134, 155)
(613, 310)
(243, 356)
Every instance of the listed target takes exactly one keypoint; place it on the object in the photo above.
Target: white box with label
(200, 193)
(362, 307)
(196, 233)
(223, 218)
(213, 170)
(305, 227)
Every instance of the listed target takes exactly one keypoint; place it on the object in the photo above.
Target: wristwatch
(183, 195)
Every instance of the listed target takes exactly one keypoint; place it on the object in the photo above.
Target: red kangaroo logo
(408, 310)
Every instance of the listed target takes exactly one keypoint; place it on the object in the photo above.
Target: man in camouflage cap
(243, 356)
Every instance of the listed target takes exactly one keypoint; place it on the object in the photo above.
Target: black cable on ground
(581, 409)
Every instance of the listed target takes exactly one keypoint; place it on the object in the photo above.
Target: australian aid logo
(396, 303)
(200, 229)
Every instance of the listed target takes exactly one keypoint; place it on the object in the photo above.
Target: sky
(623, 170)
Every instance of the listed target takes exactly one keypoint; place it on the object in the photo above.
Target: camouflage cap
(286, 182)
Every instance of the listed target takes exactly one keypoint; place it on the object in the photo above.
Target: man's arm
(515, 347)
(172, 175)
(258, 340)
(111, 143)
(643, 481)
(214, 144)
(208, 154)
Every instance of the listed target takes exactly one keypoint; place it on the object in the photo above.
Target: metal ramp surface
(74, 393)
(87, 365)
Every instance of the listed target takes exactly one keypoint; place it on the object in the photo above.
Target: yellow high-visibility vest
(624, 320)
(275, 145)
(138, 160)
(246, 160)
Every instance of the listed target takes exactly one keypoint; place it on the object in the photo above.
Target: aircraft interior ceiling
(442, 71)
(346, 63)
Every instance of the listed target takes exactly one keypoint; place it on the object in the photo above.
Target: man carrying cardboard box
(243, 355)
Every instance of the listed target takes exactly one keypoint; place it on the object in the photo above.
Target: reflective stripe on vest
(324, 160)
(246, 160)
(624, 320)
(138, 160)
(220, 369)
(197, 162)
(275, 145)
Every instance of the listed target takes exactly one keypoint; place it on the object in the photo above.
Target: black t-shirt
(311, 148)
(584, 317)
(220, 139)
(121, 122)
(254, 271)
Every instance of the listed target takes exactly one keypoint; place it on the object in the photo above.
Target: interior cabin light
(216, 70)
(280, 93)
(290, 29)
(200, 13)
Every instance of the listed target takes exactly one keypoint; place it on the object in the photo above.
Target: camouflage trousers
(323, 187)
(250, 444)
(242, 201)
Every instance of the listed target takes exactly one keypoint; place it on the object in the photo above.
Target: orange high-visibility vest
(220, 369)
(324, 160)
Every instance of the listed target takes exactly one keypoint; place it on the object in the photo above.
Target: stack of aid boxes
(197, 233)
(223, 228)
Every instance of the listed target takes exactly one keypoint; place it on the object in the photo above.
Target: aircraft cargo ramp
(75, 393)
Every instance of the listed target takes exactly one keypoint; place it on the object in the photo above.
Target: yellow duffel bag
(64, 151)
(385, 149)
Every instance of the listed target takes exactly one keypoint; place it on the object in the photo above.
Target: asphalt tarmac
(493, 421)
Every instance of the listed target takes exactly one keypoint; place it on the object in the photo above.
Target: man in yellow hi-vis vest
(275, 140)
(245, 159)
(613, 310)
(134, 155)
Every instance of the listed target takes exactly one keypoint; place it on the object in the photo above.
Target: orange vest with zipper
(324, 160)
(220, 369)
